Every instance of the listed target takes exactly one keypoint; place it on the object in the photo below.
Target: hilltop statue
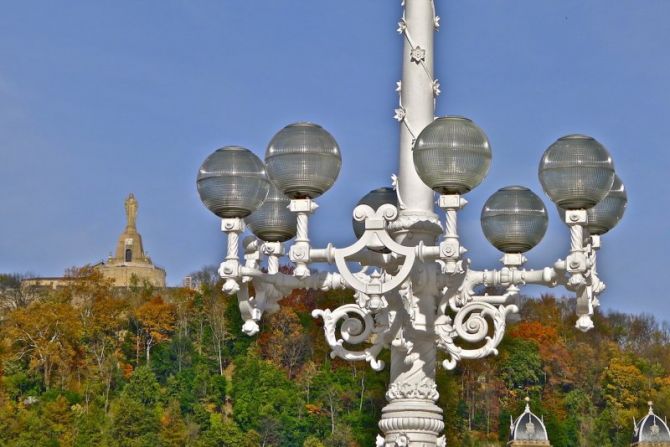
(131, 210)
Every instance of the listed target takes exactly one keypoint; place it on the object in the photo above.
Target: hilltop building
(651, 431)
(528, 430)
(130, 265)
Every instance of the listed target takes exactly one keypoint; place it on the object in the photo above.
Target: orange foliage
(535, 331)
(46, 333)
(157, 320)
(314, 409)
(127, 369)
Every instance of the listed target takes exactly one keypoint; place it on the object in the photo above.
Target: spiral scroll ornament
(473, 323)
(354, 326)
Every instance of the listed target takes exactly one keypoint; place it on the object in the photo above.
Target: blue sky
(98, 99)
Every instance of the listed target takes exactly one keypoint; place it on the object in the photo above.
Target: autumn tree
(216, 316)
(12, 294)
(286, 344)
(102, 316)
(46, 334)
(156, 320)
(183, 300)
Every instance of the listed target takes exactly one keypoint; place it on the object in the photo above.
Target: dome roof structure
(651, 430)
(528, 429)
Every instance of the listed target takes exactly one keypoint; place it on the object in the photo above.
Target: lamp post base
(412, 423)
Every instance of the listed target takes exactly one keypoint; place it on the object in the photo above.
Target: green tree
(143, 387)
(227, 434)
(133, 423)
(520, 366)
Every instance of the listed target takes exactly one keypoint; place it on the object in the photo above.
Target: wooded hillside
(90, 365)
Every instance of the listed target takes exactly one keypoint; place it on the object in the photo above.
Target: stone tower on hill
(130, 264)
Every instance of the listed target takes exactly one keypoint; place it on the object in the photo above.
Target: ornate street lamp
(415, 292)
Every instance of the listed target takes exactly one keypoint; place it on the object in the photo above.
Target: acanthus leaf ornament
(426, 389)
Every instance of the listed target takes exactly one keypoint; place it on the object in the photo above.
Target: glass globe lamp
(273, 221)
(607, 213)
(576, 172)
(303, 160)
(452, 155)
(232, 182)
(374, 199)
(514, 219)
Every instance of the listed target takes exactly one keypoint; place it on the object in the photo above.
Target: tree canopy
(94, 365)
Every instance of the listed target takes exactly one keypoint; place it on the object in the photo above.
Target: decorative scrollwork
(471, 324)
(375, 236)
(357, 326)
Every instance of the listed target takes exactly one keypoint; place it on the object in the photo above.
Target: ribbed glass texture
(273, 221)
(303, 160)
(232, 182)
(452, 155)
(374, 199)
(514, 219)
(576, 172)
(608, 212)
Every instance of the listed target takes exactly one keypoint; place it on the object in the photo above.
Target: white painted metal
(420, 295)
(417, 91)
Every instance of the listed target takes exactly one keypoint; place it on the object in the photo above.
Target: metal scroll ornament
(354, 325)
(474, 323)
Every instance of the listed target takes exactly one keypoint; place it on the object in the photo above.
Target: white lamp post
(415, 293)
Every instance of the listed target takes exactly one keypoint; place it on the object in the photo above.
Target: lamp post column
(411, 417)
(417, 91)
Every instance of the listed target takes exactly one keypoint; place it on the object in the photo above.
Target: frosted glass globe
(232, 182)
(303, 160)
(452, 155)
(273, 221)
(514, 219)
(576, 172)
(607, 213)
